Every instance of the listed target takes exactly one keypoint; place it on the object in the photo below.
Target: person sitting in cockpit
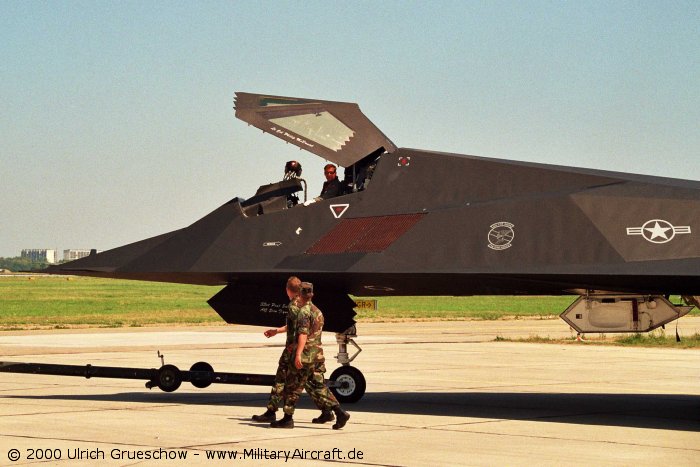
(331, 187)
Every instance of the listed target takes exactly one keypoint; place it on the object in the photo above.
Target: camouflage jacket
(292, 317)
(305, 320)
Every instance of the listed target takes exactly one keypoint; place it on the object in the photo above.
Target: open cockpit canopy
(336, 131)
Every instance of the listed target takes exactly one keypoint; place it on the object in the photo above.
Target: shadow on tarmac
(656, 411)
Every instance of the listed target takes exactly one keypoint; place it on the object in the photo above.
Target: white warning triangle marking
(339, 209)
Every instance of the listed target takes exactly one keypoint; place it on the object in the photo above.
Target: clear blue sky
(117, 120)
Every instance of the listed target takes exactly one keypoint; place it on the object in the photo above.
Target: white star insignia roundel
(658, 231)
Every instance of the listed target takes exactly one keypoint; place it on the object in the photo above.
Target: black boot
(326, 416)
(268, 417)
(286, 422)
(342, 418)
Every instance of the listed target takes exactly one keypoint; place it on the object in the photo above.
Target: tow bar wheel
(349, 384)
(168, 378)
(201, 375)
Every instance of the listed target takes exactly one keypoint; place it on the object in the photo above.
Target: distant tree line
(19, 264)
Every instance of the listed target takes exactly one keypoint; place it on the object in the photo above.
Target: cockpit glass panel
(320, 127)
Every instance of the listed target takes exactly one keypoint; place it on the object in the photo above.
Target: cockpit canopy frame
(336, 131)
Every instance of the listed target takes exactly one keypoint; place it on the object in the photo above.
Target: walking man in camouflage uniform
(276, 399)
(293, 288)
(308, 365)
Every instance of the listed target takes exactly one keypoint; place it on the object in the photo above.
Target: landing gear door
(336, 131)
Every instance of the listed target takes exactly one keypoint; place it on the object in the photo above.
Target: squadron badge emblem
(501, 236)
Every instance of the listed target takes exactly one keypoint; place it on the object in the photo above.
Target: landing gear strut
(347, 382)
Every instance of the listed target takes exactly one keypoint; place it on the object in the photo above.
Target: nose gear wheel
(348, 384)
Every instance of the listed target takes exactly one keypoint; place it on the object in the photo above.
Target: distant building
(40, 255)
(70, 255)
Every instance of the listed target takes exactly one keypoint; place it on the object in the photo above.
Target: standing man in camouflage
(308, 365)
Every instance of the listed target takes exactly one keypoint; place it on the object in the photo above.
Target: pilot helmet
(293, 167)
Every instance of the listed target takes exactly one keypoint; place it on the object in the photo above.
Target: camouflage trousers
(314, 385)
(277, 393)
(309, 377)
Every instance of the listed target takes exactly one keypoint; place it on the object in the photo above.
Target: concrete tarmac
(438, 393)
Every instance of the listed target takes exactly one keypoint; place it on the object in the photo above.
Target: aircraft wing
(337, 131)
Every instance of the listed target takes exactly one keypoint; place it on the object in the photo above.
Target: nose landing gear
(347, 382)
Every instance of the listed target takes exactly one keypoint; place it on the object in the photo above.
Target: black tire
(169, 378)
(205, 377)
(351, 383)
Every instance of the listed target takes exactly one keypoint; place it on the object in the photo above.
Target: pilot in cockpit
(331, 187)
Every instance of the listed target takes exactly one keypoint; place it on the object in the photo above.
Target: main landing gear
(347, 382)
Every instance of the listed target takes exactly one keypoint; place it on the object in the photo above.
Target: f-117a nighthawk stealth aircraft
(415, 222)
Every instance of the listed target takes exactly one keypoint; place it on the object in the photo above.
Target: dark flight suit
(331, 189)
